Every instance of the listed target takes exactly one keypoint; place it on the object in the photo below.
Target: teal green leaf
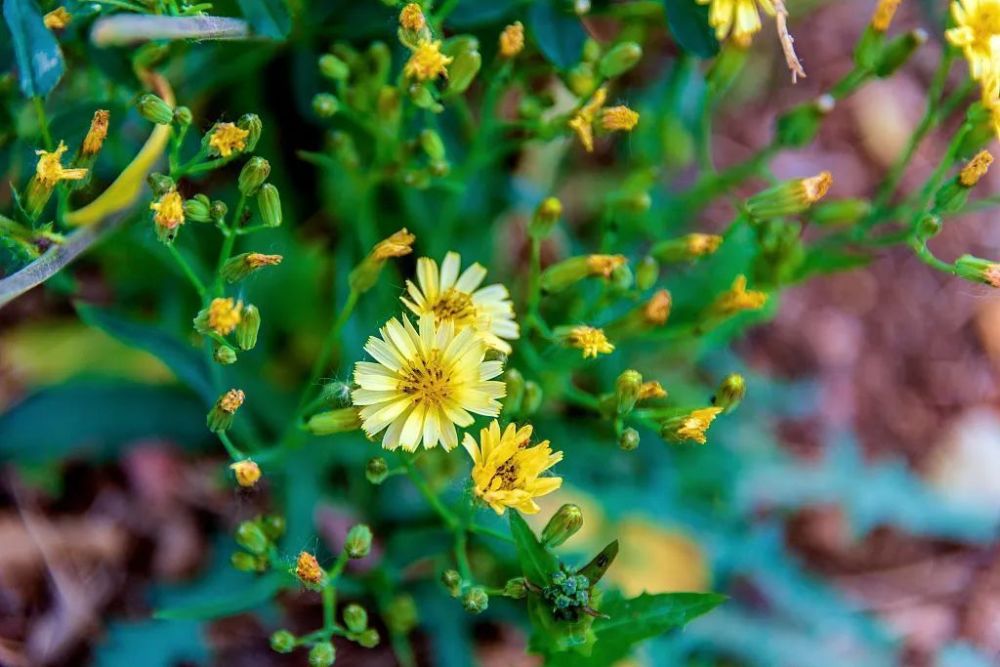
(558, 32)
(268, 18)
(688, 22)
(151, 643)
(232, 600)
(184, 360)
(39, 60)
(537, 563)
(600, 563)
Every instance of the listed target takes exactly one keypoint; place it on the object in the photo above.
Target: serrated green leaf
(39, 60)
(537, 563)
(688, 22)
(557, 31)
(268, 18)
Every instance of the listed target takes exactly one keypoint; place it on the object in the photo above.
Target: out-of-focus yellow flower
(98, 131)
(397, 245)
(307, 569)
(737, 17)
(975, 169)
(224, 314)
(412, 17)
(247, 473)
(737, 299)
(512, 40)
(657, 309)
(427, 62)
(651, 389)
(654, 559)
(591, 340)
(228, 138)
(884, 13)
(57, 19)
(604, 265)
(506, 472)
(977, 23)
(582, 121)
(619, 119)
(692, 426)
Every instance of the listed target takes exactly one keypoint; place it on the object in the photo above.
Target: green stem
(227, 244)
(449, 518)
(234, 452)
(43, 122)
(476, 529)
(323, 358)
(189, 272)
(462, 554)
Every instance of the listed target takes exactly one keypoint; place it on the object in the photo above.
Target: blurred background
(849, 508)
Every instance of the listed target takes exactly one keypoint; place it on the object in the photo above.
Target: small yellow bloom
(737, 17)
(657, 309)
(412, 17)
(512, 40)
(50, 171)
(699, 245)
(247, 473)
(591, 340)
(690, 427)
(884, 12)
(231, 401)
(96, 134)
(307, 569)
(227, 139)
(223, 315)
(256, 260)
(427, 62)
(604, 265)
(651, 389)
(397, 245)
(583, 121)
(619, 119)
(977, 23)
(815, 187)
(737, 299)
(975, 169)
(169, 211)
(57, 19)
(506, 472)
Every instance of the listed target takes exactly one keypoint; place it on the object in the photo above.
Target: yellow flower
(224, 315)
(247, 473)
(619, 118)
(256, 260)
(738, 299)
(657, 309)
(738, 17)
(977, 22)
(307, 569)
(96, 134)
(506, 472)
(512, 40)
(460, 300)
(690, 427)
(651, 389)
(397, 245)
(975, 169)
(412, 17)
(227, 138)
(884, 12)
(169, 211)
(591, 340)
(231, 401)
(427, 62)
(583, 121)
(699, 245)
(50, 171)
(57, 19)
(604, 265)
(424, 382)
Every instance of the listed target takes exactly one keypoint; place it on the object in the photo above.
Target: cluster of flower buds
(257, 539)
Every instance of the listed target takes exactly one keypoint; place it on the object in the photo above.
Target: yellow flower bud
(247, 473)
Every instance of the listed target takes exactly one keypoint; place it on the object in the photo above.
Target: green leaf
(537, 563)
(600, 563)
(39, 60)
(219, 603)
(97, 417)
(151, 643)
(268, 18)
(688, 21)
(558, 32)
(185, 361)
(819, 261)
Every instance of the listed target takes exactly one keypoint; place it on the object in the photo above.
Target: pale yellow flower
(737, 17)
(591, 340)
(977, 23)
(427, 62)
(50, 171)
(227, 138)
(168, 210)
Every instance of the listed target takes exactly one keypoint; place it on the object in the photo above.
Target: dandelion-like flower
(619, 119)
(512, 40)
(737, 299)
(737, 17)
(977, 23)
(425, 382)
(591, 340)
(506, 472)
(459, 299)
(692, 426)
(168, 211)
(604, 265)
(221, 317)
(427, 62)
(227, 138)
(582, 122)
(50, 171)
(412, 17)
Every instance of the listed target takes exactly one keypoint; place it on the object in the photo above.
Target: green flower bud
(462, 71)
(155, 110)
(369, 638)
(532, 398)
(283, 641)
(218, 211)
(898, 51)
(341, 420)
(269, 205)
(183, 116)
(245, 562)
(565, 274)
(333, 67)
(250, 536)
(225, 355)
(401, 615)
(726, 67)
(197, 208)
(248, 328)
(322, 654)
(546, 216)
(591, 50)
(422, 96)
(439, 168)
(515, 391)
(646, 273)
(475, 600)
(380, 59)
(798, 127)
(344, 149)
(686, 248)
(620, 59)
(452, 582)
(789, 198)
(239, 267)
(629, 440)
(869, 47)
(730, 393)
(252, 124)
(840, 212)
(355, 618)
(581, 80)
(223, 412)
(160, 184)
(563, 525)
(325, 105)
(359, 541)
(516, 588)
(377, 470)
(627, 389)
(273, 526)
(978, 270)
(253, 175)
(431, 142)
(928, 226)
